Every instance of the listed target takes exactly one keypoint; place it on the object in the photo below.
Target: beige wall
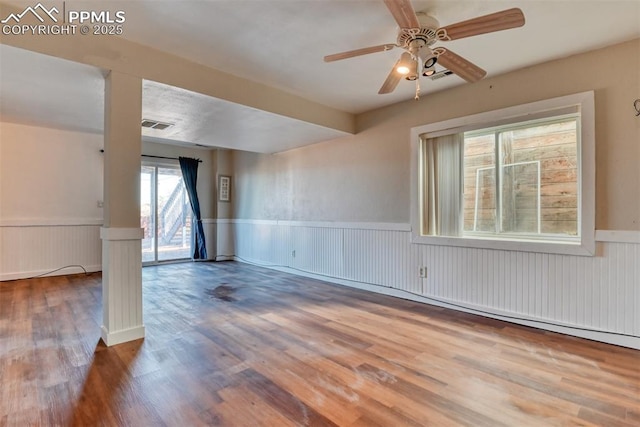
(49, 175)
(365, 177)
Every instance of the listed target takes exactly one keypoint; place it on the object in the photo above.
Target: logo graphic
(34, 11)
(69, 22)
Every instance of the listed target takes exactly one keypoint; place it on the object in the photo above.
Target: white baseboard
(120, 233)
(48, 273)
(125, 335)
(601, 336)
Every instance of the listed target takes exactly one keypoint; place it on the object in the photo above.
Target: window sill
(584, 248)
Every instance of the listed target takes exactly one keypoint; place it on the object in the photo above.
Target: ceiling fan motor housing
(427, 32)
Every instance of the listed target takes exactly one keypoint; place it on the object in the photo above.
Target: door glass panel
(147, 212)
(165, 215)
(174, 216)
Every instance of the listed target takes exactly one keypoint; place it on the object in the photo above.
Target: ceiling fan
(419, 32)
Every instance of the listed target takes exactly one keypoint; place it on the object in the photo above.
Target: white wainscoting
(593, 297)
(121, 285)
(31, 248)
(210, 238)
(224, 240)
(219, 238)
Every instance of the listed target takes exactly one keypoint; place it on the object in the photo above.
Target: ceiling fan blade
(460, 66)
(403, 13)
(510, 18)
(358, 52)
(393, 78)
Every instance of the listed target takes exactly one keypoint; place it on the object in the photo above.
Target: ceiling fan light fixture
(406, 65)
(429, 66)
(402, 69)
(430, 61)
(414, 70)
(429, 72)
(413, 74)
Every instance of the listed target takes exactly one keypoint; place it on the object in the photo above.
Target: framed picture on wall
(224, 188)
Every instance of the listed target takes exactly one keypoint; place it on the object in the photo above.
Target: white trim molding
(49, 222)
(70, 269)
(618, 236)
(115, 233)
(118, 337)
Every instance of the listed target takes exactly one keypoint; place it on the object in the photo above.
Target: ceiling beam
(118, 54)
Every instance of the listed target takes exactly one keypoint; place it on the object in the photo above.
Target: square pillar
(121, 234)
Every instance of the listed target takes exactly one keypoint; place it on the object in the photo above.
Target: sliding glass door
(165, 214)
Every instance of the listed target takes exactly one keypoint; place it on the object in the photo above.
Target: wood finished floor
(238, 345)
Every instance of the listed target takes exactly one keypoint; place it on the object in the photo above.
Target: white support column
(121, 285)
(121, 234)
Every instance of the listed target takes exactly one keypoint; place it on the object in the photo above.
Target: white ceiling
(76, 102)
(281, 43)
(203, 120)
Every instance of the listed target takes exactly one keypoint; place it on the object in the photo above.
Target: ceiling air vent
(153, 124)
(439, 75)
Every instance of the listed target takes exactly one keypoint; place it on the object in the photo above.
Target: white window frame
(584, 103)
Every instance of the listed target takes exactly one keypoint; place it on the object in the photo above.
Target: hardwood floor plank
(329, 397)
(435, 399)
(281, 400)
(601, 419)
(255, 411)
(231, 344)
(369, 388)
(614, 410)
(376, 415)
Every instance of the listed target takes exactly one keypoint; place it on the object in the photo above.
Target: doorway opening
(165, 214)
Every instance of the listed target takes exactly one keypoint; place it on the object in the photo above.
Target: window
(521, 178)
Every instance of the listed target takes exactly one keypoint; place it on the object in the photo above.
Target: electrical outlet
(100, 203)
(423, 272)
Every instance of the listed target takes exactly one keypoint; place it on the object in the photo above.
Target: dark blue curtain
(189, 169)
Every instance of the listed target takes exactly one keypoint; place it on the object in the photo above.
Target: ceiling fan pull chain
(417, 97)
